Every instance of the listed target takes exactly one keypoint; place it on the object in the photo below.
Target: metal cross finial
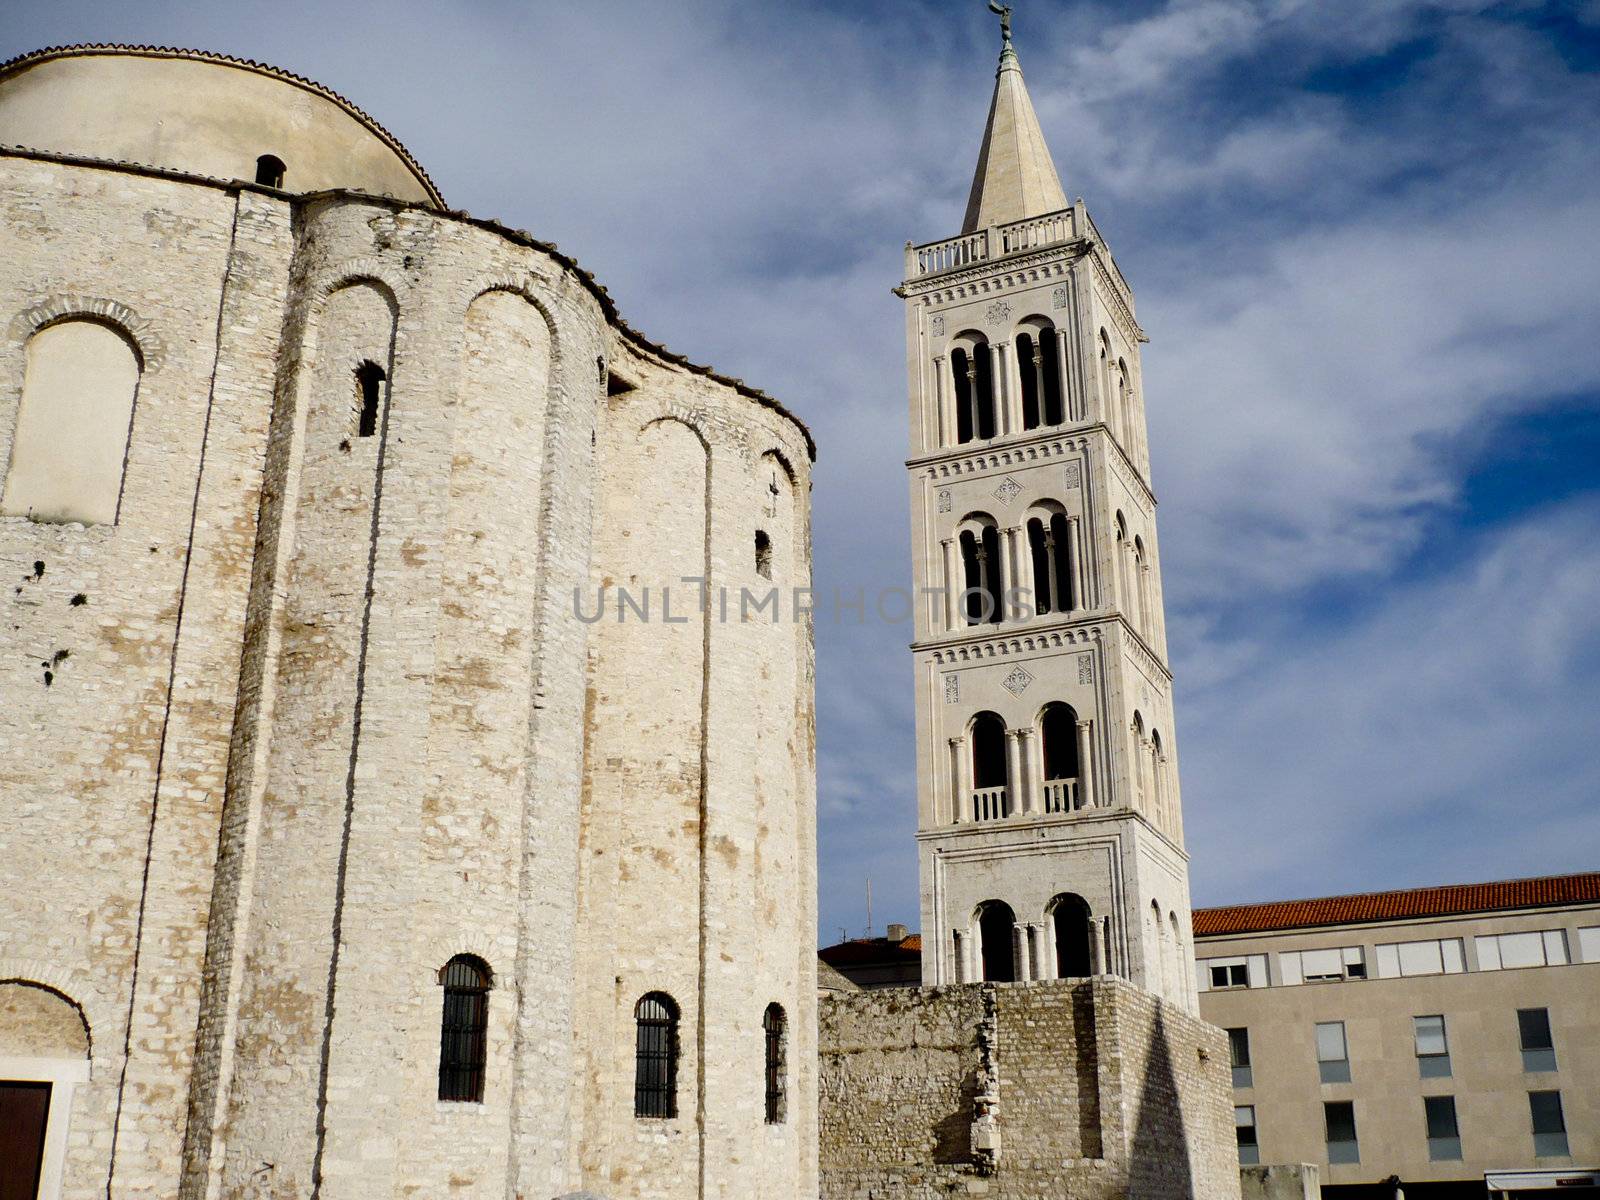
(1003, 11)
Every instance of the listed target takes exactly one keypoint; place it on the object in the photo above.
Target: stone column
(1000, 377)
(1014, 794)
(1021, 576)
(1071, 401)
(952, 583)
(943, 405)
(1097, 950)
(1052, 956)
(1074, 566)
(1040, 398)
(959, 955)
(1032, 771)
(1085, 768)
(1021, 963)
(1080, 547)
(960, 793)
(1107, 953)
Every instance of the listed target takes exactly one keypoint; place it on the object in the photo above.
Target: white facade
(1048, 798)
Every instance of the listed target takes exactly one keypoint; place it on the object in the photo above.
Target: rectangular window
(1244, 1128)
(1442, 957)
(1433, 1051)
(1533, 1030)
(1322, 966)
(1507, 951)
(1339, 1116)
(1444, 1136)
(1549, 1125)
(1217, 974)
(1589, 944)
(1333, 1054)
(1239, 1057)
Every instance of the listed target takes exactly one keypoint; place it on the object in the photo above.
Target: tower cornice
(1003, 454)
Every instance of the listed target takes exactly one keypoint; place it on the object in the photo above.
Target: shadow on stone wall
(952, 1144)
(1160, 1169)
(1090, 1137)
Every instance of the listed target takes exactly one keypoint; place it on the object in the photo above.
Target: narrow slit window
(369, 398)
(763, 554)
(463, 1034)
(775, 1030)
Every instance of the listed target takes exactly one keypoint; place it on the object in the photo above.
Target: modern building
(1438, 1035)
(368, 827)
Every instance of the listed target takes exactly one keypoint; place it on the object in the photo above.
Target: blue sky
(1365, 241)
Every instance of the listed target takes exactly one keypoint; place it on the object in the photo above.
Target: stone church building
(345, 852)
(391, 804)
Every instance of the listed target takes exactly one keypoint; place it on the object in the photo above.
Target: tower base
(1092, 1089)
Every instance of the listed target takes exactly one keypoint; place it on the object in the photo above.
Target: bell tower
(1050, 833)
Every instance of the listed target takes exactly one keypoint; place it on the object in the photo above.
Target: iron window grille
(655, 1078)
(464, 1030)
(774, 1025)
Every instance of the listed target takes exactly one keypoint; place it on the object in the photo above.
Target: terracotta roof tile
(1449, 900)
(859, 952)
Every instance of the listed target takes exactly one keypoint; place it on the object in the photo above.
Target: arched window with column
(1158, 791)
(69, 444)
(983, 587)
(1073, 927)
(464, 1029)
(655, 1056)
(1039, 369)
(1141, 583)
(997, 926)
(1136, 763)
(1058, 745)
(973, 370)
(1158, 970)
(987, 737)
(1049, 544)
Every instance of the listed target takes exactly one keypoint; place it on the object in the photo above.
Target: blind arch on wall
(69, 445)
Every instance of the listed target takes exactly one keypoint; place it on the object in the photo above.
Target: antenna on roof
(869, 905)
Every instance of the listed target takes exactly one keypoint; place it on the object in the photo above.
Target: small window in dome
(270, 170)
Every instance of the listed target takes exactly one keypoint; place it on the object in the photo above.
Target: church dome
(202, 114)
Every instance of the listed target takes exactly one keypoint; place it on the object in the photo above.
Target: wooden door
(24, 1108)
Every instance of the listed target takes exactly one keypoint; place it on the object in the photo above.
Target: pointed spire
(1016, 178)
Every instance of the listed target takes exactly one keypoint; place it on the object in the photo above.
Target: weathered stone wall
(312, 717)
(1099, 1091)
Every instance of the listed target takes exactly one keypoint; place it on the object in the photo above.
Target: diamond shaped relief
(1017, 682)
(1007, 491)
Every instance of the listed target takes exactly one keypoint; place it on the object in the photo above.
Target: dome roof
(202, 114)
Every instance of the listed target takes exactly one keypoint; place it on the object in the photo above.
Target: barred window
(463, 1032)
(655, 1078)
(776, 1027)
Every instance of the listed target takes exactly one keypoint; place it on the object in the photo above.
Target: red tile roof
(1387, 906)
(860, 952)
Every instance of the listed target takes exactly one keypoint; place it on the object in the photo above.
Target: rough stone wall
(319, 724)
(698, 860)
(1102, 1092)
(114, 766)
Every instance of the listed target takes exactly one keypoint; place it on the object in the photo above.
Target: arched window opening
(270, 171)
(775, 1027)
(1141, 573)
(984, 594)
(1157, 783)
(1138, 761)
(464, 1029)
(974, 382)
(763, 554)
(989, 800)
(369, 397)
(73, 426)
(1073, 928)
(996, 928)
(655, 1074)
(1048, 543)
(1181, 966)
(1159, 973)
(1058, 740)
(1029, 370)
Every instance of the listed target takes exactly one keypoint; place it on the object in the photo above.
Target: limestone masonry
(357, 843)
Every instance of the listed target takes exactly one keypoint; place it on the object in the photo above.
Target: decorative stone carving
(936, 327)
(1085, 668)
(944, 500)
(1008, 490)
(1072, 475)
(998, 313)
(1058, 298)
(952, 689)
(1017, 682)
